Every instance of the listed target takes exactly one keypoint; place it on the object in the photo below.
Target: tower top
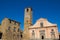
(28, 9)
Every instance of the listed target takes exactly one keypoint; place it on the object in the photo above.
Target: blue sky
(14, 9)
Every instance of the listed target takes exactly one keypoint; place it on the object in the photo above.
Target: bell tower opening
(0, 35)
(27, 9)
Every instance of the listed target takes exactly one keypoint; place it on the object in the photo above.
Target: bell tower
(27, 18)
(27, 21)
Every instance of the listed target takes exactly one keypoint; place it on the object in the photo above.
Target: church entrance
(0, 35)
(42, 37)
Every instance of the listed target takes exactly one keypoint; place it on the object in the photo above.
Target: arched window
(9, 28)
(41, 24)
(52, 29)
(27, 9)
(14, 29)
(33, 34)
(52, 34)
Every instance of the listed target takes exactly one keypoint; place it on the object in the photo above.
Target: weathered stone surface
(10, 30)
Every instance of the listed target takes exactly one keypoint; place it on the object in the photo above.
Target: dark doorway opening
(0, 35)
(42, 37)
(21, 36)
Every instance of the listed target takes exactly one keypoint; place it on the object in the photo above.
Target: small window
(14, 29)
(27, 21)
(52, 29)
(9, 28)
(41, 24)
(27, 9)
(10, 21)
(52, 32)
(33, 32)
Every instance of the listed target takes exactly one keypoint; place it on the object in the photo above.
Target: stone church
(10, 30)
(41, 30)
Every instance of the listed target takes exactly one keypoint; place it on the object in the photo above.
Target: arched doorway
(0, 35)
(42, 37)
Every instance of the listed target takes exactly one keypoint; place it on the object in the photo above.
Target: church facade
(41, 30)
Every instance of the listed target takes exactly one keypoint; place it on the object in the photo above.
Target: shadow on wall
(59, 37)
